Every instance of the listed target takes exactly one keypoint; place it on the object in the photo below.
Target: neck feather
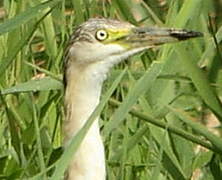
(84, 84)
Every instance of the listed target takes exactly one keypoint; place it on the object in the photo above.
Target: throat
(82, 95)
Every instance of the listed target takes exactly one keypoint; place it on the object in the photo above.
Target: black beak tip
(185, 34)
(195, 34)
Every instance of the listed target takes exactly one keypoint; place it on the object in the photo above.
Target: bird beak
(149, 37)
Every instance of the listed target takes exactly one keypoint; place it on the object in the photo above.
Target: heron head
(110, 41)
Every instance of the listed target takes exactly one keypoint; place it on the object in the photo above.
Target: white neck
(81, 98)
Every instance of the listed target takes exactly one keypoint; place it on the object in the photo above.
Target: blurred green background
(168, 125)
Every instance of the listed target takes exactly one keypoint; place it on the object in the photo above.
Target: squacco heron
(95, 47)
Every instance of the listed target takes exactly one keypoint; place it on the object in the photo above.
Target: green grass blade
(199, 128)
(186, 12)
(210, 51)
(44, 84)
(161, 124)
(140, 87)
(124, 7)
(38, 141)
(200, 80)
(9, 59)
(26, 16)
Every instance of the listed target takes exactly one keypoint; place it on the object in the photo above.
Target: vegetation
(160, 114)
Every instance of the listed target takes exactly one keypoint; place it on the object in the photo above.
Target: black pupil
(102, 34)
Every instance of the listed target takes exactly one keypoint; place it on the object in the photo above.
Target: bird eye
(101, 35)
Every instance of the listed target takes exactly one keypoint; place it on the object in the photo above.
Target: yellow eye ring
(101, 35)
